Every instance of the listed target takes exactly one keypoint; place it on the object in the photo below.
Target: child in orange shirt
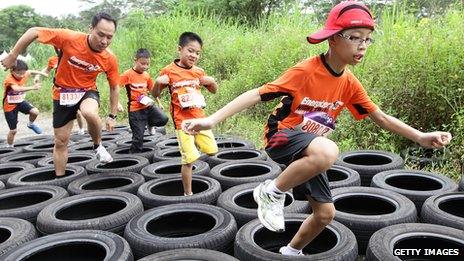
(14, 95)
(184, 80)
(142, 111)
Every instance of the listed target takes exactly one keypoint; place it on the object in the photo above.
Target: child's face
(189, 54)
(141, 64)
(351, 45)
(18, 74)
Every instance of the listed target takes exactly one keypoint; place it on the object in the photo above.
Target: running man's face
(189, 54)
(101, 35)
(141, 64)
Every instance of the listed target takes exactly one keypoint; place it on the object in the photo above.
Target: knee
(34, 111)
(13, 132)
(324, 152)
(61, 142)
(325, 214)
(85, 113)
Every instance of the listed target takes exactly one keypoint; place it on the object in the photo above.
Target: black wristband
(112, 116)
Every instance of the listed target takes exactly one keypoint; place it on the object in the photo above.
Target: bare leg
(10, 137)
(186, 171)
(89, 110)
(33, 113)
(80, 120)
(60, 150)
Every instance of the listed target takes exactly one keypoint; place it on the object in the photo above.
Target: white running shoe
(103, 155)
(283, 251)
(270, 208)
(81, 132)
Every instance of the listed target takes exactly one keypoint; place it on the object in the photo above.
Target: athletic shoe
(282, 251)
(81, 132)
(103, 155)
(270, 208)
(34, 127)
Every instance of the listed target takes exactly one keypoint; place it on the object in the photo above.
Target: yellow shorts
(188, 144)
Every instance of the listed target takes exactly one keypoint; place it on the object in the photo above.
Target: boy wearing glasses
(314, 92)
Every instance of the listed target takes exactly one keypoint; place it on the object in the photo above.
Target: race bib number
(70, 97)
(192, 100)
(318, 123)
(15, 97)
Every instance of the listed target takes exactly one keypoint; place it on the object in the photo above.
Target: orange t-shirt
(7, 83)
(52, 62)
(184, 87)
(79, 65)
(314, 96)
(137, 85)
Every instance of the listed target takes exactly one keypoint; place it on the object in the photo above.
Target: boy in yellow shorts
(184, 80)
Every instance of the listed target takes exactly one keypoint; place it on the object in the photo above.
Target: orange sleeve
(360, 104)
(113, 73)
(123, 79)
(55, 37)
(287, 84)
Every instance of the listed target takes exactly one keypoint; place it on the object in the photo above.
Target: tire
(9, 169)
(414, 236)
(14, 232)
(20, 144)
(369, 162)
(147, 151)
(461, 184)
(169, 190)
(189, 254)
(417, 185)
(180, 226)
(366, 210)
(236, 154)
(4, 152)
(239, 202)
(171, 168)
(76, 137)
(125, 182)
(171, 136)
(108, 211)
(2, 186)
(36, 138)
(166, 154)
(129, 163)
(88, 147)
(108, 138)
(82, 245)
(234, 173)
(444, 209)
(167, 144)
(255, 243)
(233, 142)
(148, 140)
(74, 158)
(340, 177)
(42, 146)
(28, 157)
(161, 130)
(27, 202)
(46, 176)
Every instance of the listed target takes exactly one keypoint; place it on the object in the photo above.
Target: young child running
(314, 93)
(142, 111)
(14, 95)
(184, 80)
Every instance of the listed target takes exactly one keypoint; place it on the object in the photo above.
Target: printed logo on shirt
(187, 83)
(308, 105)
(138, 85)
(83, 65)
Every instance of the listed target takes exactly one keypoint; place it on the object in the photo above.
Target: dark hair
(142, 53)
(187, 37)
(20, 65)
(102, 15)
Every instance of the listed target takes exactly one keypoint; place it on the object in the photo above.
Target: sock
(191, 193)
(30, 123)
(95, 146)
(290, 251)
(271, 188)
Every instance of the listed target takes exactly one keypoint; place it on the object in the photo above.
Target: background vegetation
(414, 71)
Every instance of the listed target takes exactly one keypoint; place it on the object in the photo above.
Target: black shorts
(12, 116)
(63, 114)
(286, 146)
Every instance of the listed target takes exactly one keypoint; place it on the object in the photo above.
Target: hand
(206, 80)
(436, 139)
(110, 122)
(163, 80)
(8, 61)
(193, 126)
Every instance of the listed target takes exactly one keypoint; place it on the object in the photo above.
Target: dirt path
(44, 120)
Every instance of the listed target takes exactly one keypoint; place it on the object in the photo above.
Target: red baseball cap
(345, 15)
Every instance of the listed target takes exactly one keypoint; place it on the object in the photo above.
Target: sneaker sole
(260, 213)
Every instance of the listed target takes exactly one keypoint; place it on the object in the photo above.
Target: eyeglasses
(357, 40)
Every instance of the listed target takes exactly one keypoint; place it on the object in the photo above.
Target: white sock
(290, 251)
(271, 188)
(30, 123)
(191, 193)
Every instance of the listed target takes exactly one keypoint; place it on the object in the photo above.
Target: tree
(120, 8)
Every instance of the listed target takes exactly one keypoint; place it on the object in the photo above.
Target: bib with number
(318, 123)
(191, 98)
(70, 97)
(15, 97)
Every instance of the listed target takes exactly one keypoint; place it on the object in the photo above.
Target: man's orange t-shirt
(79, 65)
(184, 83)
(137, 85)
(52, 62)
(7, 83)
(314, 96)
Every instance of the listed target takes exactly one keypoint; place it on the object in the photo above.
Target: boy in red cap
(314, 93)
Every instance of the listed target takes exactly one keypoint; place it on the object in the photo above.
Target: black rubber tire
(26, 157)
(42, 146)
(444, 209)
(171, 168)
(9, 169)
(340, 177)
(169, 190)
(128, 163)
(15, 232)
(122, 127)
(82, 245)
(4, 152)
(2, 185)
(414, 236)
(147, 151)
(417, 185)
(27, 202)
(106, 139)
(81, 158)
(93, 210)
(234, 142)
(181, 226)
(126, 182)
(235, 173)
(36, 138)
(166, 154)
(171, 136)
(147, 140)
(239, 202)
(365, 210)
(461, 184)
(76, 137)
(167, 144)
(236, 154)
(189, 254)
(256, 243)
(88, 147)
(46, 176)
(20, 144)
(369, 162)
